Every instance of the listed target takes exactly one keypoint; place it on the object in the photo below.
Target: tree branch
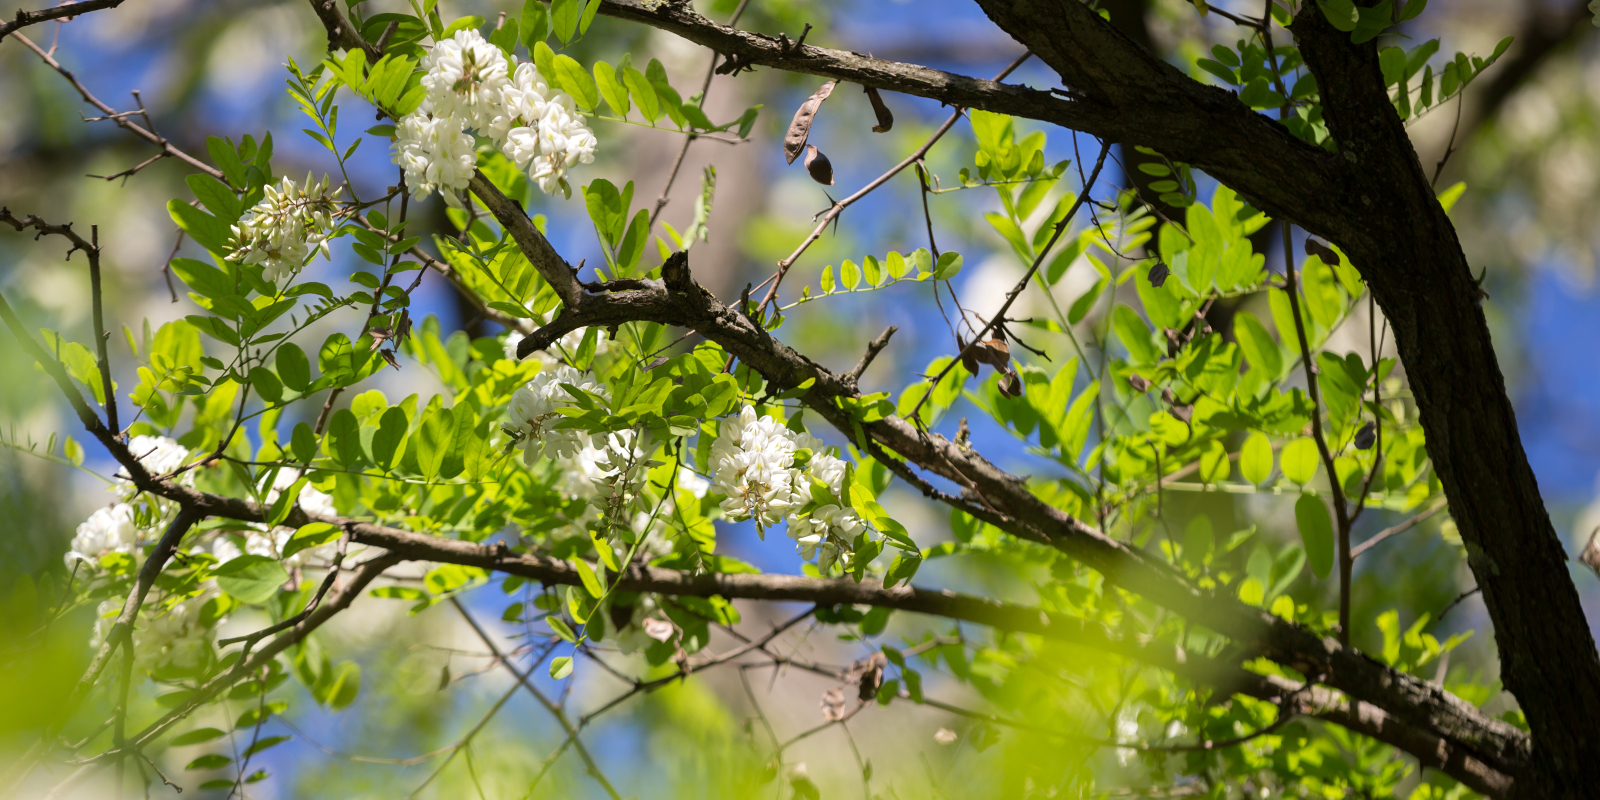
(65, 10)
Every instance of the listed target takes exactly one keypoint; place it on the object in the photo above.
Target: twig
(1011, 297)
(827, 217)
(873, 349)
(1453, 603)
(1346, 560)
(555, 710)
(63, 11)
(688, 138)
(122, 122)
(1398, 529)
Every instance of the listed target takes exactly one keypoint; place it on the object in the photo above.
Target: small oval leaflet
(800, 127)
(818, 165)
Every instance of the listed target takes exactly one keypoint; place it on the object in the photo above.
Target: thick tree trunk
(1407, 250)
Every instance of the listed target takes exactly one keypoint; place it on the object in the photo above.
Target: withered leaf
(1139, 383)
(1011, 384)
(388, 355)
(833, 705)
(1158, 274)
(994, 352)
(800, 127)
(1184, 413)
(1591, 554)
(658, 629)
(881, 111)
(1322, 251)
(818, 165)
(1366, 436)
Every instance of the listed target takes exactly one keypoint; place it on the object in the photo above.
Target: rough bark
(1407, 250)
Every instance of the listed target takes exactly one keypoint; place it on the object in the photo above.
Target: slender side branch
(1340, 511)
(63, 11)
(122, 120)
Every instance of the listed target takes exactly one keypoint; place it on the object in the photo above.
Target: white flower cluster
(753, 465)
(158, 455)
(175, 637)
(288, 226)
(533, 411)
(472, 85)
(111, 529)
(115, 528)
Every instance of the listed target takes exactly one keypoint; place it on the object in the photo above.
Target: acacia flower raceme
(473, 85)
(283, 231)
(533, 412)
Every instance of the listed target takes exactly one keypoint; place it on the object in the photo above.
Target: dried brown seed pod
(800, 127)
(818, 165)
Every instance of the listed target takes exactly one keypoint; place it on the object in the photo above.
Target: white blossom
(466, 78)
(436, 153)
(750, 464)
(692, 483)
(533, 412)
(288, 226)
(158, 455)
(510, 347)
(111, 529)
(944, 736)
(542, 132)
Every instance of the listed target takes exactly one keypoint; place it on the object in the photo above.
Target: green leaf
(386, 440)
(643, 93)
(1316, 533)
(293, 367)
(210, 761)
(589, 12)
(1300, 460)
(227, 159)
(1255, 458)
(217, 198)
(1341, 14)
(209, 231)
(615, 94)
(591, 582)
(433, 440)
(315, 534)
(564, 18)
(560, 667)
(948, 267)
(304, 443)
(344, 438)
(1259, 348)
(849, 274)
(1135, 335)
(535, 23)
(1214, 465)
(339, 687)
(251, 579)
(559, 627)
(577, 82)
(196, 736)
(204, 278)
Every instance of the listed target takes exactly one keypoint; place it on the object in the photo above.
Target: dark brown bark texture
(1378, 206)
